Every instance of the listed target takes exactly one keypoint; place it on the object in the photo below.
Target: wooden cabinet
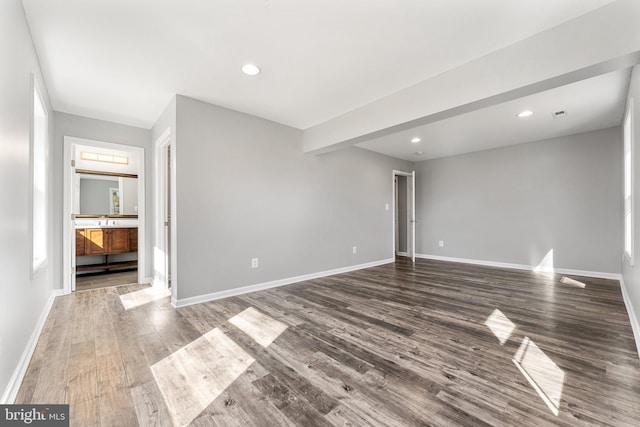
(106, 241)
(80, 242)
(118, 240)
(95, 241)
(133, 239)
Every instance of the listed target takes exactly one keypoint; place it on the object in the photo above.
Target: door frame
(162, 241)
(411, 213)
(68, 222)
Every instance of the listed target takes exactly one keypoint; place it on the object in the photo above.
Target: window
(39, 133)
(628, 182)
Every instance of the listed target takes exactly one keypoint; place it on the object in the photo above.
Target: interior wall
(631, 273)
(515, 204)
(23, 298)
(129, 195)
(95, 195)
(99, 130)
(246, 190)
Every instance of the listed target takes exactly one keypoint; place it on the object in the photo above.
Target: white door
(411, 200)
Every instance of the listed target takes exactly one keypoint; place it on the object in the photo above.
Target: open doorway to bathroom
(104, 226)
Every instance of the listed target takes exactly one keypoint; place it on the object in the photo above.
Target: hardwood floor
(103, 280)
(432, 344)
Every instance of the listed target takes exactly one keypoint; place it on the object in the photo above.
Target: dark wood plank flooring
(432, 344)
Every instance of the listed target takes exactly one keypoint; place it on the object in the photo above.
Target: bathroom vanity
(105, 236)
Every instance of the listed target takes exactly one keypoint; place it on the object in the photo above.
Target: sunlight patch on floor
(143, 296)
(571, 282)
(500, 325)
(546, 378)
(262, 328)
(191, 378)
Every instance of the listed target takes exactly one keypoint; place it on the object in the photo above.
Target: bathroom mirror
(107, 195)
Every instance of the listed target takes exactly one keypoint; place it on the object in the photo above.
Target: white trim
(584, 273)
(11, 391)
(68, 229)
(411, 243)
(160, 243)
(177, 303)
(635, 325)
(628, 118)
(398, 253)
(395, 173)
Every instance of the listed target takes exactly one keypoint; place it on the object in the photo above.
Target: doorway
(404, 233)
(104, 230)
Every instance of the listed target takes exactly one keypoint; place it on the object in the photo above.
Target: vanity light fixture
(415, 140)
(107, 158)
(525, 113)
(251, 69)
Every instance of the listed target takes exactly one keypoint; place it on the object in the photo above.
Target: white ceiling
(591, 104)
(123, 60)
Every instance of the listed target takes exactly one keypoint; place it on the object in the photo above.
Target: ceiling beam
(596, 43)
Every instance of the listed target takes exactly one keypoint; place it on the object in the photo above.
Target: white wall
(23, 299)
(631, 273)
(99, 130)
(515, 204)
(246, 189)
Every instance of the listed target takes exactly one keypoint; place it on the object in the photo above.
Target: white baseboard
(273, 284)
(585, 273)
(635, 325)
(402, 253)
(11, 392)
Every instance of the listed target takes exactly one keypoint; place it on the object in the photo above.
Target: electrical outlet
(355, 250)
(254, 262)
(441, 243)
(386, 206)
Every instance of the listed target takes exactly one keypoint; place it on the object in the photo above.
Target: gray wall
(402, 213)
(246, 189)
(631, 273)
(23, 298)
(129, 194)
(99, 130)
(94, 195)
(514, 204)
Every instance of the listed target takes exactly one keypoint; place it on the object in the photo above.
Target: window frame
(39, 191)
(628, 181)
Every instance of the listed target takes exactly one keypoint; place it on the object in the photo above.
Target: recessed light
(415, 140)
(250, 69)
(525, 113)
(418, 153)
